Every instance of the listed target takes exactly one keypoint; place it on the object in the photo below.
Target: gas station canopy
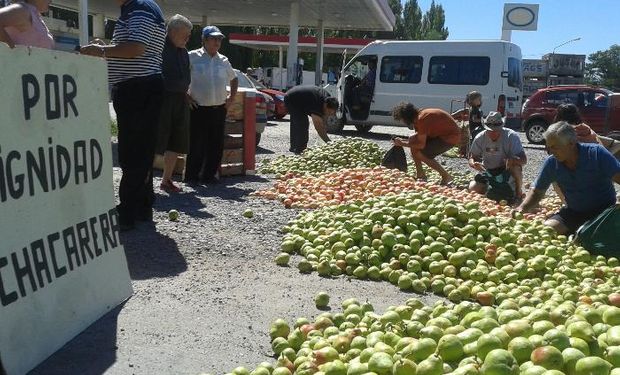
(304, 43)
(292, 14)
(335, 14)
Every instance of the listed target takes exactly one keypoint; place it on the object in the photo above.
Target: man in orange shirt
(435, 133)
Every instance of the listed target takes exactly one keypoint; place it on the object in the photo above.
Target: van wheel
(334, 125)
(363, 129)
(534, 132)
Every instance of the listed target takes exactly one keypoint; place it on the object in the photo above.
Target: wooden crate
(233, 141)
(232, 156)
(232, 170)
(234, 127)
(236, 109)
(240, 133)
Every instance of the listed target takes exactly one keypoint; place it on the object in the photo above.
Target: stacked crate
(240, 135)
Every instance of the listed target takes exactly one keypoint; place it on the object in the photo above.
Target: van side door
(397, 77)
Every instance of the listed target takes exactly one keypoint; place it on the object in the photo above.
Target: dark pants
(206, 143)
(572, 219)
(137, 103)
(299, 130)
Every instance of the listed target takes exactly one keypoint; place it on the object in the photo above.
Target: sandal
(170, 187)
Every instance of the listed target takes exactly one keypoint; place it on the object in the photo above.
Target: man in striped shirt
(134, 72)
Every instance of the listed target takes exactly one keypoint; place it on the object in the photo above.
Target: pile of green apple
(421, 242)
(333, 156)
(515, 337)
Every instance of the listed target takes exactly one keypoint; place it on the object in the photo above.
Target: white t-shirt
(210, 75)
(495, 153)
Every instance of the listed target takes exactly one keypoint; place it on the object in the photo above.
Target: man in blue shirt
(584, 172)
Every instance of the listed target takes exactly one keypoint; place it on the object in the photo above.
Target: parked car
(265, 105)
(276, 95)
(599, 108)
(246, 82)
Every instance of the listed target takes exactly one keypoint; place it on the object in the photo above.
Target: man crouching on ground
(584, 172)
(435, 133)
(498, 155)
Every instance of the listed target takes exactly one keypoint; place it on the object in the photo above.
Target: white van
(434, 74)
(275, 78)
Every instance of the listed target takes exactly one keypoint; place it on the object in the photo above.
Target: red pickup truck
(599, 108)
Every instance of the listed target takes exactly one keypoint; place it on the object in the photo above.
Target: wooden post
(249, 132)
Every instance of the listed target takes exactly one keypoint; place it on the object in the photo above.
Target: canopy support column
(320, 38)
(291, 55)
(83, 20)
(280, 59)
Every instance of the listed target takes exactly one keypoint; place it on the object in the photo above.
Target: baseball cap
(212, 31)
(494, 121)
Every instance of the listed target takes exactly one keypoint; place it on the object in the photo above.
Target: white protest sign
(61, 262)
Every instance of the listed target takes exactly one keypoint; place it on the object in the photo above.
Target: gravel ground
(206, 287)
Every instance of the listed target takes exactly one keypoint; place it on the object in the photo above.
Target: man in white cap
(210, 73)
(497, 153)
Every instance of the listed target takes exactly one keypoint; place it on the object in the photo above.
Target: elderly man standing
(134, 71)
(174, 119)
(498, 155)
(210, 73)
(584, 172)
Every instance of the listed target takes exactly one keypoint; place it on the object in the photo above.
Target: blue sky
(597, 22)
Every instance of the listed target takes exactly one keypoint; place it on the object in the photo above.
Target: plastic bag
(395, 158)
(601, 235)
(498, 182)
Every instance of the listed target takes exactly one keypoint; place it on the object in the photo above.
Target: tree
(413, 25)
(433, 23)
(412, 21)
(397, 9)
(604, 68)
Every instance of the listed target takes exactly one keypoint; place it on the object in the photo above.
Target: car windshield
(257, 84)
(244, 82)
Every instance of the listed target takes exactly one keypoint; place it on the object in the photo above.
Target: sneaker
(169, 187)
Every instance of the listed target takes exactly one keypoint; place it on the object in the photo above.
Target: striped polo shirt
(141, 21)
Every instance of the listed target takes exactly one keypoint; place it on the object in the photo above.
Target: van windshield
(359, 66)
(515, 72)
